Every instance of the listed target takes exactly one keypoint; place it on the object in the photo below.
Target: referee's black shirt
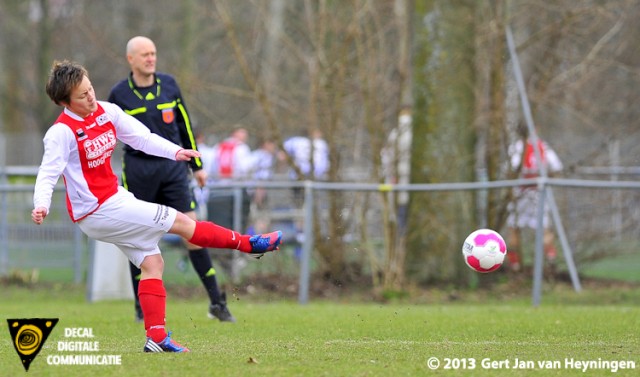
(161, 108)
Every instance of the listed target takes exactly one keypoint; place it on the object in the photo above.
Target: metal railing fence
(600, 214)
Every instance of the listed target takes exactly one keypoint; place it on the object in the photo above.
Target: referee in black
(154, 99)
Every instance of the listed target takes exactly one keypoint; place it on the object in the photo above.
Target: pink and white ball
(484, 250)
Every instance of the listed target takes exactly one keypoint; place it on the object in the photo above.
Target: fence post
(538, 257)
(307, 246)
(566, 249)
(237, 226)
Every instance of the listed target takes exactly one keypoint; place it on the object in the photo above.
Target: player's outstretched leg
(208, 234)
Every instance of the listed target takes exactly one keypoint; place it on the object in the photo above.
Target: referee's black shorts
(158, 180)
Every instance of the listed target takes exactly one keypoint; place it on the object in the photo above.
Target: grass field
(283, 338)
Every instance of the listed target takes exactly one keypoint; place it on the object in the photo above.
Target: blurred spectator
(310, 155)
(320, 155)
(232, 157)
(263, 167)
(396, 162)
(524, 208)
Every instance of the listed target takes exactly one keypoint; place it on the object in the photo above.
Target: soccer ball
(484, 250)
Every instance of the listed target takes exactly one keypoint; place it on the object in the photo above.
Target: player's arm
(57, 143)
(135, 134)
(187, 155)
(38, 214)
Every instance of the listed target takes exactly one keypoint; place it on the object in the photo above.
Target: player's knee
(183, 226)
(152, 266)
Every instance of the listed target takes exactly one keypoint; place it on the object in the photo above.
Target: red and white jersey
(526, 154)
(225, 157)
(232, 160)
(80, 150)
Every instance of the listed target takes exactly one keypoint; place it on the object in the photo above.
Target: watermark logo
(28, 336)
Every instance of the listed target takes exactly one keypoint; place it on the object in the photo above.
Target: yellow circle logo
(28, 339)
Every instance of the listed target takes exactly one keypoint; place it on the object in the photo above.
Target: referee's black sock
(135, 281)
(201, 261)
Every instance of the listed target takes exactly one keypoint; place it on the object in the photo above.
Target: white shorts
(523, 212)
(133, 225)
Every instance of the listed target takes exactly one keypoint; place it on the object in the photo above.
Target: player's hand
(186, 154)
(38, 214)
(201, 177)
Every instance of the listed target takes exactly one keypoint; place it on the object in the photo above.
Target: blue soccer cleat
(262, 243)
(167, 345)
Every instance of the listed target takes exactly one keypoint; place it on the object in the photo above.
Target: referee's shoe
(220, 310)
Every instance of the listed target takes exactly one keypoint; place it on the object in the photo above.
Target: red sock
(153, 301)
(208, 234)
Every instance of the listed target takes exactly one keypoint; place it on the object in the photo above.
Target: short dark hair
(64, 76)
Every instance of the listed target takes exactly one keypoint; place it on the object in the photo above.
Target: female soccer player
(79, 146)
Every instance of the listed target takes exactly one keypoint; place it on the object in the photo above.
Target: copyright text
(471, 363)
